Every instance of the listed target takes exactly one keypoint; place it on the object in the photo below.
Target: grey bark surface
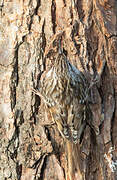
(29, 148)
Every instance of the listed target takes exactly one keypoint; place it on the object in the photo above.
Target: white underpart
(49, 73)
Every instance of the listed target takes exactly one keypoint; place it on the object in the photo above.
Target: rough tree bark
(30, 149)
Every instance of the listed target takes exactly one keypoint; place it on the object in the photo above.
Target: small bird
(64, 90)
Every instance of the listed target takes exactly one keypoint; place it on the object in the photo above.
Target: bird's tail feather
(73, 171)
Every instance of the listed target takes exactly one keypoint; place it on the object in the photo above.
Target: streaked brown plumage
(64, 90)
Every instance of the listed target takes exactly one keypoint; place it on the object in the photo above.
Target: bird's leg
(37, 93)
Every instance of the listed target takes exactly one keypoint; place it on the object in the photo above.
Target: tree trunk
(31, 147)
